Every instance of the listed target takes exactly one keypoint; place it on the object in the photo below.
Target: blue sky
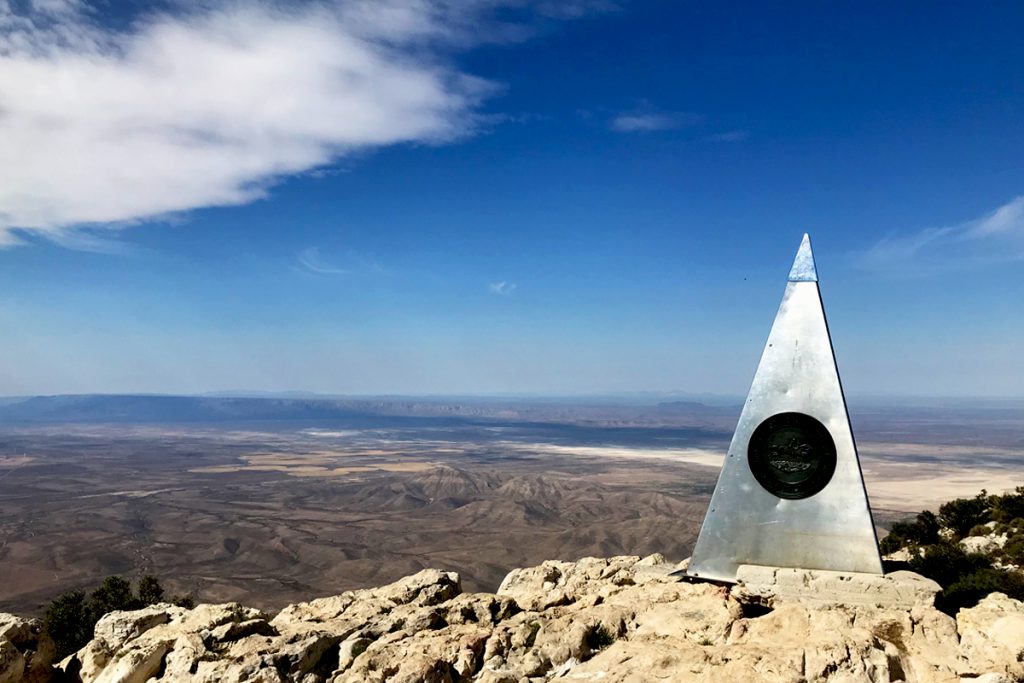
(506, 197)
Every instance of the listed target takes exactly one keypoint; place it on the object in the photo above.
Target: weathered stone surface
(171, 642)
(26, 651)
(615, 620)
(902, 555)
(992, 637)
(899, 589)
(984, 544)
(12, 663)
(117, 628)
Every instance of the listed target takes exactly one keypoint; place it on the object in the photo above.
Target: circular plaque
(792, 455)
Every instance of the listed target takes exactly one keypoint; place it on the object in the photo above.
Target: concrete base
(767, 585)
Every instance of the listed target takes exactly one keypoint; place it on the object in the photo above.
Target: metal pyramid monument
(791, 493)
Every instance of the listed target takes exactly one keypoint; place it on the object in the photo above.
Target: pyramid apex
(803, 269)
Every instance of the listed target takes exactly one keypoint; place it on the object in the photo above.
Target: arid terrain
(271, 501)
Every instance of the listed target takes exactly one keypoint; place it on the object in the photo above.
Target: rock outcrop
(617, 620)
(26, 651)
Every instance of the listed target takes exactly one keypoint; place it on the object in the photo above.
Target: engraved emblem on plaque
(792, 455)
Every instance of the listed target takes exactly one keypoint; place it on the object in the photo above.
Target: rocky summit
(610, 620)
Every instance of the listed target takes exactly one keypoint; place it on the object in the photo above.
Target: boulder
(992, 637)
(984, 544)
(26, 651)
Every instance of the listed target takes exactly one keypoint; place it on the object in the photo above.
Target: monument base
(766, 585)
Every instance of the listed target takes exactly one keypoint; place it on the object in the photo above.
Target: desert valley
(269, 501)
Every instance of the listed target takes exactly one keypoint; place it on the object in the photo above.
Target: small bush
(599, 638)
(531, 638)
(71, 618)
(961, 514)
(1014, 549)
(965, 577)
(1009, 506)
(69, 622)
(186, 601)
(150, 591)
(946, 562)
(891, 544)
(113, 594)
(924, 530)
(969, 589)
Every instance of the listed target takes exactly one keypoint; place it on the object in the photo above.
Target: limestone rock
(903, 555)
(26, 651)
(992, 637)
(12, 663)
(616, 620)
(984, 544)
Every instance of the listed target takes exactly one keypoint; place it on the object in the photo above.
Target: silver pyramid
(791, 493)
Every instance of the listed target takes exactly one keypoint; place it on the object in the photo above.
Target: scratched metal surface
(746, 524)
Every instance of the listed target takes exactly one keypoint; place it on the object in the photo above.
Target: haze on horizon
(521, 197)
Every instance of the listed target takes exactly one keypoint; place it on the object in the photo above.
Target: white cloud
(311, 260)
(649, 121)
(502, 288)
(210, 104)
(994, 237)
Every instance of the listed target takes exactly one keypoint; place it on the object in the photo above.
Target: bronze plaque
(792, 455)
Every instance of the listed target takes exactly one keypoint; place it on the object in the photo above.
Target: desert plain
(271, 504)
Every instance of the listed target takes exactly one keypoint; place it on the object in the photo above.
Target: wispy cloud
(992, 238)
(729, 136)
(574, 9)
(210, 104)
(95, 242)
(312, 261)
(647, 120)
(502, 288)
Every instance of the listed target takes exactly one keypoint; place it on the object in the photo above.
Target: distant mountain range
(103, 408)
(383, 410)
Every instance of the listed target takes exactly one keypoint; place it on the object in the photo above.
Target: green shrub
(69, 622)
(71, 618)
(185, 601)
(891, 544)
(924, 530)
(1009, 506)
(965, 577)
(962, 514)
(946, 562)
(531, 638)
(1014, 549)
(969, 589)
(927, 527)
(113, 594)
(150, 591)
